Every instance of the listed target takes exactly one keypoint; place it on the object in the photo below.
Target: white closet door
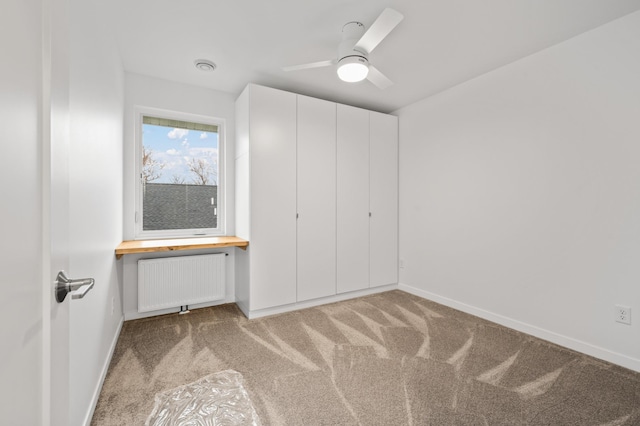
(384, 199)
(316, 246)
(273, 197)
(353, 199)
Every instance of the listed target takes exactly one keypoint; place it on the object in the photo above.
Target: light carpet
(386, 359)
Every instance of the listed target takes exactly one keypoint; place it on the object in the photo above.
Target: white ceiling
(439, 44)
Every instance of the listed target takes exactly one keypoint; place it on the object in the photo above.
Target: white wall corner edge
(103, 375)
(550, 336)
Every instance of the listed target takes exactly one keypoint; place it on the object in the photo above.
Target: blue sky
(174, 147)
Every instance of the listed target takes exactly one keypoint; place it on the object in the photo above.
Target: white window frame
(141, 234)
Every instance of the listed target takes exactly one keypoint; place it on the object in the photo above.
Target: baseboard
(559, 339)
(103, 375)
(259, 313)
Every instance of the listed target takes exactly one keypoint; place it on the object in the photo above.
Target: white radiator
(177, 281)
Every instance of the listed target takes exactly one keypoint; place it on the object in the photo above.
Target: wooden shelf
(178, 244)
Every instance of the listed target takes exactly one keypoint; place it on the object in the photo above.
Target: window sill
(178, 244)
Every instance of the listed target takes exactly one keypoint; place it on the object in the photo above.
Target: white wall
(96, 102)
(21, 213)
(520, 193)
(157, 93)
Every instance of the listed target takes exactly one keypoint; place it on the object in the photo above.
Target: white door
(316, 199)
(34, 213)
(352, 199)
(384, 199)
(273, 197)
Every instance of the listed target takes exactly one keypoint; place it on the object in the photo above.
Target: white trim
(103, 375)
(139, 111)
(312, 303)
(559, 339)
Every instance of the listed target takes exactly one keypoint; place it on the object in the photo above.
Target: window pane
(179, 175)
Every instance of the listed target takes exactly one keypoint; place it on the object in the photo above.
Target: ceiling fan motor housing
(351, 33)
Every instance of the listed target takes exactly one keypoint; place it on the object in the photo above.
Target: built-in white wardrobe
(317, 198)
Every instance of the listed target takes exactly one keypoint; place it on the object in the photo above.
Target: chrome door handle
(65, 286)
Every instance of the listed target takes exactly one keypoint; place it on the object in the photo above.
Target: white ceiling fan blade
(310, 65)
(377, 78)
(385, 23)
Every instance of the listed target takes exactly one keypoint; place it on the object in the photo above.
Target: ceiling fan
(353, 52)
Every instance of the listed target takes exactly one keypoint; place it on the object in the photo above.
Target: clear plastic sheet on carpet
(214, 400)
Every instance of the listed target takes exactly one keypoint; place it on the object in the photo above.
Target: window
(180, 159)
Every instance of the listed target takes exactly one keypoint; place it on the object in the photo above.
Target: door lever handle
(65, 286)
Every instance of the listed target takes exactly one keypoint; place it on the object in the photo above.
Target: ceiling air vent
(204, 65)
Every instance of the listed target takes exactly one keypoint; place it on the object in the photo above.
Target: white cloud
(173, 152)
(178, 133)
(173, 165)
(203, 135)
(185, 143)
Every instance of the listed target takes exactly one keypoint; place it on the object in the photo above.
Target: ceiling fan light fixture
(353, 69)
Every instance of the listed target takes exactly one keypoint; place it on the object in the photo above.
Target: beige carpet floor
(386, 359)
